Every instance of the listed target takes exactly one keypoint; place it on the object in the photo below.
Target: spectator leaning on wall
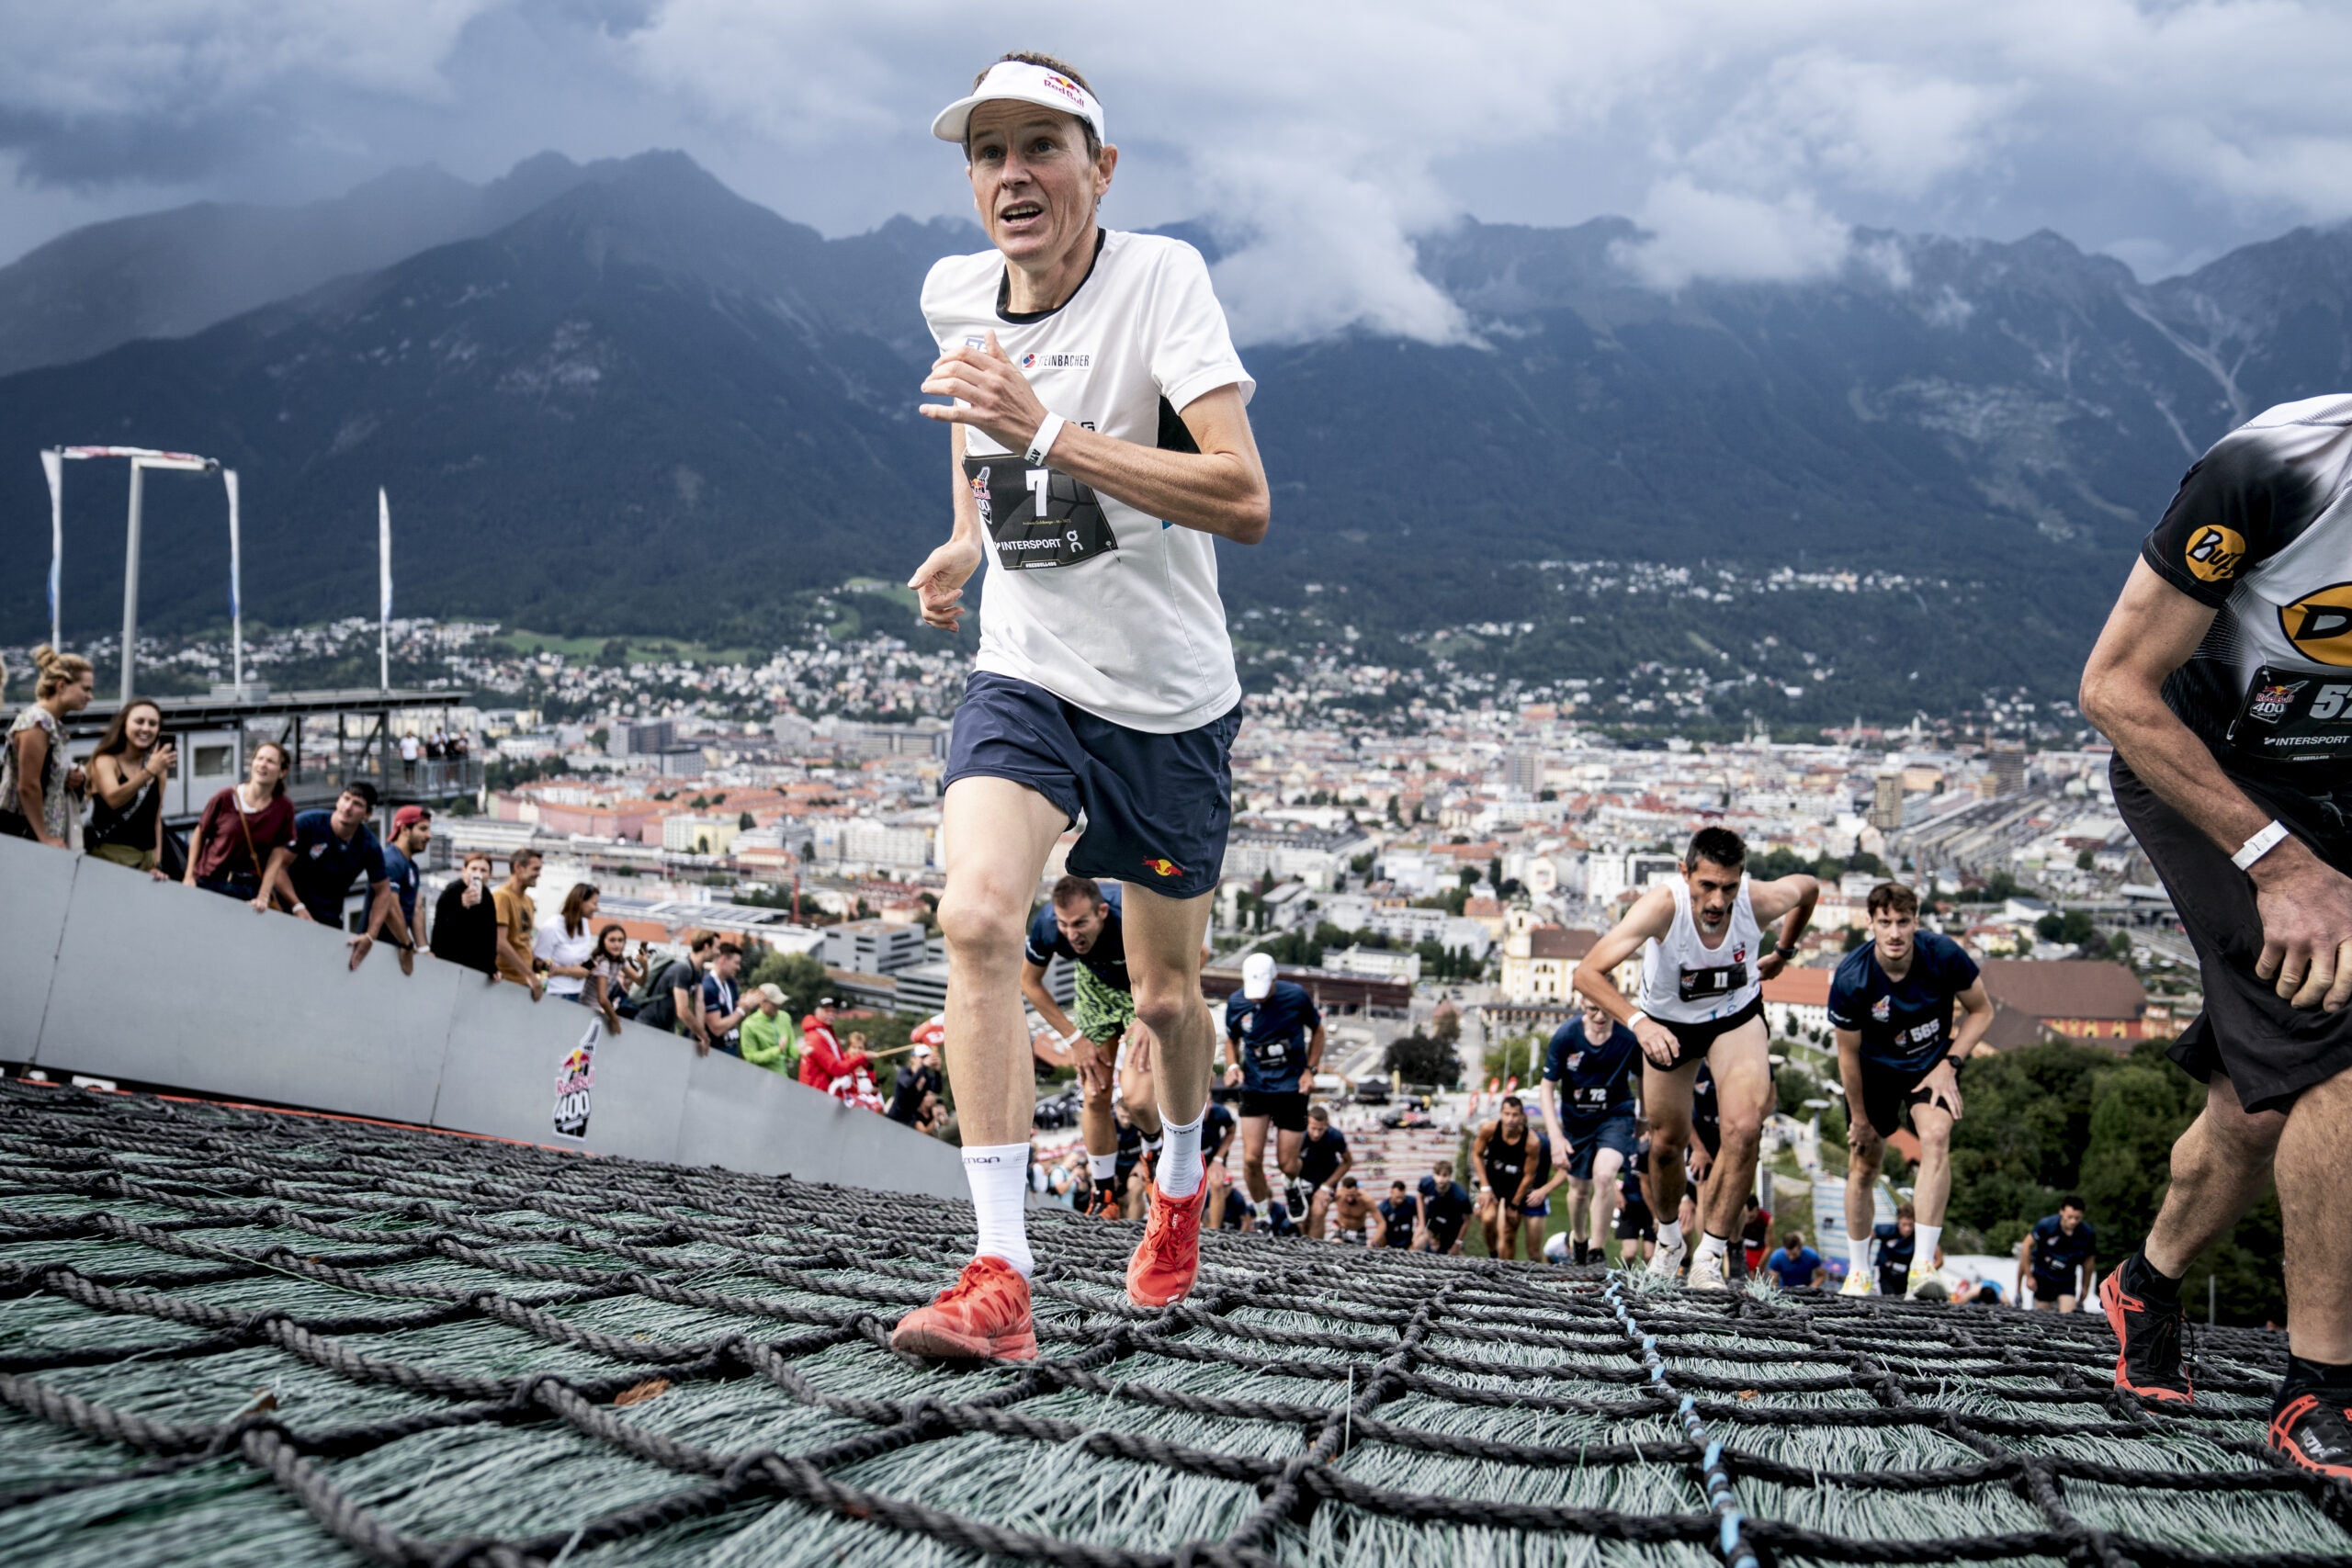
(127, 774)
(768, 1038)
(465, 918)
(244, 838)
(333, 849)
(36, 780)
(518, 920)
(411, 832)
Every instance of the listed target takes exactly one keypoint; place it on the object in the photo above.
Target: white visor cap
(1258, 975)
(1024, 83)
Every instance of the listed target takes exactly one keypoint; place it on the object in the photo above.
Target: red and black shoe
(2314, 1431)
(1106, 1202)
(2149, 1363)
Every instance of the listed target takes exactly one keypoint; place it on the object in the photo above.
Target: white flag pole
(236, 595)
(52, 463)
(384, 577)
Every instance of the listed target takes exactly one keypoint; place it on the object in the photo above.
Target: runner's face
(1903, 1227)
(1712, 887)
(1893, 931)
(1597, 1023)
(1032, 181)
(1081, 923)
(1514, 1122)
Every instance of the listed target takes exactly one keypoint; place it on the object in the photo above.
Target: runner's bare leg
(999, 834)
(1666, 1097)
(1164, 941)
(2220, 1166)
(1743, 1089)
(1931, 1189)
(2314, 1192)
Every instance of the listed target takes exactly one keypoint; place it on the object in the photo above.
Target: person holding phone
(127, 774)
(465, 918)
(37, 782)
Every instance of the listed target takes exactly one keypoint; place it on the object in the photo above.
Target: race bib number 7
(2293, 717)
(1037, 518)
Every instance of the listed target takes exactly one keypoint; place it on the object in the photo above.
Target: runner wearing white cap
(1273, 1037)
(1100, 447)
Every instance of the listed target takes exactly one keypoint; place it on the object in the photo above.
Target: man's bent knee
(1165, 1008)
(976, 924)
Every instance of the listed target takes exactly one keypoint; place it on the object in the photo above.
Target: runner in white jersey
(1703, 967)
(1099, 447)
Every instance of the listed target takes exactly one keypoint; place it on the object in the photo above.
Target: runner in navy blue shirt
(1636, 1226)
(1891, 1005)
(1323, 1159)
(1273, 1041)
(1897, 1244)
(1218, 1128)
(1591, 1070)
(1446, 1209)
(1397, 1212)
(2059, 1257)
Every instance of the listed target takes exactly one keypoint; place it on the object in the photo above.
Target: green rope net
(241, 1337)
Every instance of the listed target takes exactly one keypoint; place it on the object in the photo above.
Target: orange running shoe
(1106, 1202)
(2315, 1434)
(1169, 1258)
(984, 1314)
(2147, 1336)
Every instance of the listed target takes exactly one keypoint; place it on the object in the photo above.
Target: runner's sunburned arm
(2305, 907)
(1219, 490)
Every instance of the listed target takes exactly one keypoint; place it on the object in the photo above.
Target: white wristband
(2269, 838)
(1635, 1022)
(1048, 429)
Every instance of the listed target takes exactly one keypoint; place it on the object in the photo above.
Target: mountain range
(617, 397)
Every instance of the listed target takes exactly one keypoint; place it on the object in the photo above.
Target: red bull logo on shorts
(1163, 868)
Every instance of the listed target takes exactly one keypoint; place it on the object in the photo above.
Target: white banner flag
(236, 605)
(52, 463)
(384, 551)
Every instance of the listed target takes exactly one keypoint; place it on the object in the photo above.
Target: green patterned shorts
(1104, 1013)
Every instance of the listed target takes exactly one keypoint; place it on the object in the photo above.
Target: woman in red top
(246, 835)
(823, 1060)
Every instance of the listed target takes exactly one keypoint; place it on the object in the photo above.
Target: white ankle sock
(1102, 1167)
(1670, 1234)
(1179, 1172)
(1923, 1254)
(1713, 1246)
(1857, 1253)
(999, 1175)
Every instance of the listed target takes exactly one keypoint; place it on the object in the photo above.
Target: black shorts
(2270, 1051)
(1634, 1222)
(1156, 807)
(1694, 1041)
(1588, 1137)
(1888, 1092)
(1287, 1111)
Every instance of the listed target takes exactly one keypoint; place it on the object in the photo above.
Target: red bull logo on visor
(1067, 88)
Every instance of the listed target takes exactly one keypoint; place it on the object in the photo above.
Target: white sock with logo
(1711, 1246)
(1179, 1173)
(1670, 1236)
(1923, 1251)
(1857, 1253)
(999, 1176)
(1102, 1167)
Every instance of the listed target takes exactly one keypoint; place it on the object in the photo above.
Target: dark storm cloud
(1748, 141)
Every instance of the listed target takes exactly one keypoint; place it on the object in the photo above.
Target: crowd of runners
(1100, 447)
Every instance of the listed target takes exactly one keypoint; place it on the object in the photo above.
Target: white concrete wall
(110, 975)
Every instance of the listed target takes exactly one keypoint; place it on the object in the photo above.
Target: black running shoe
(2314, 1431)
(2149, 1331)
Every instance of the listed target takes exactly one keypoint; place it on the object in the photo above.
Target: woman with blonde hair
(127, 774)
(246, 835)
(36, 779)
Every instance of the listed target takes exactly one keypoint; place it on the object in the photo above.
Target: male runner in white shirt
(1100, 446)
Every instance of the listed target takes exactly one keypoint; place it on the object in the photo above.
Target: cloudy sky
(1747, 140)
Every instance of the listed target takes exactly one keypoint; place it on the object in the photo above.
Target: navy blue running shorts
(1157, 806)
(1588, 1137)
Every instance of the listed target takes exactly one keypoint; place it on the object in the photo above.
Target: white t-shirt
(570, 952)
(1685, 981)
(1110, 609)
